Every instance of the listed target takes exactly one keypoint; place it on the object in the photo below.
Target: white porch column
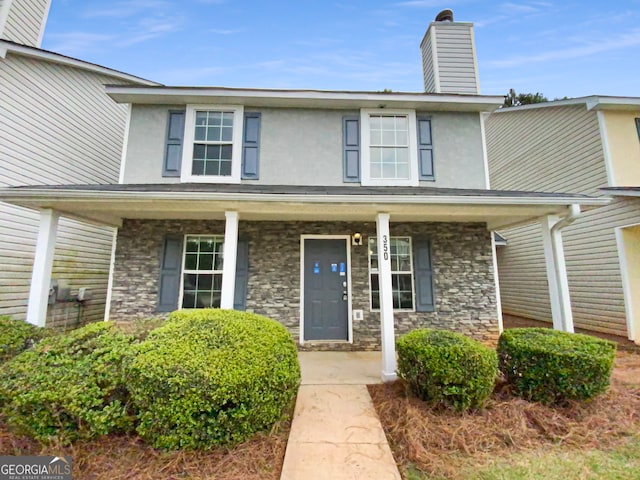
(42, 266)
(557, 274)
(230, 253)
(389, 364)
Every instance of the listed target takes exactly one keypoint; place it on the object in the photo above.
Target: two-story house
(347, 216)
(588, 145)
(50, 134)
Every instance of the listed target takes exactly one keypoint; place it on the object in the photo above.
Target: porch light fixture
(356, 239)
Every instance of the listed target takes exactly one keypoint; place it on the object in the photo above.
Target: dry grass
(439, 442)
(126, 457)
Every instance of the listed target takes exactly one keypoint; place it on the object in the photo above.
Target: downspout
(560, 266)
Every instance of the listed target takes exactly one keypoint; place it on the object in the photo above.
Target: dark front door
(326, 314)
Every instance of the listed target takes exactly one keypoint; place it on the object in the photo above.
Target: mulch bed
(126, 457)
(437, 442)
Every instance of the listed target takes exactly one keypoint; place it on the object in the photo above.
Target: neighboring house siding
(24, 21)
(623, 143)
(593, 269)
(56, 127)
(304, 147)
(555, 149)
(456, 62)
(559, 149)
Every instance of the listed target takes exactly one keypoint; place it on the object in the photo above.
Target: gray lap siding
(464, 285)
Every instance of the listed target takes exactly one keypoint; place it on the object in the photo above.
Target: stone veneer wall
(462, 266)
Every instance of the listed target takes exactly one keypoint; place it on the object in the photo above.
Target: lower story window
(401, 273)
(202, 272)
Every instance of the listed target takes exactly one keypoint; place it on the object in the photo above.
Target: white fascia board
(128, 94)
(9, 195)
(52, 57)
(593, 102)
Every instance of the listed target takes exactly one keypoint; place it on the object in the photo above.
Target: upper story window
(638, 127)
(389, 147)
(213, 144)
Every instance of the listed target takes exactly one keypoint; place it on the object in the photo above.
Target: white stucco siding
(56, 127)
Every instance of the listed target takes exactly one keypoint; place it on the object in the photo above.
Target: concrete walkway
(335, 432)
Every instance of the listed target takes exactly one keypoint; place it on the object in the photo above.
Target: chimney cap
(445, 16)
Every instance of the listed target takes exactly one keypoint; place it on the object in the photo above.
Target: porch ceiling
(110, 204)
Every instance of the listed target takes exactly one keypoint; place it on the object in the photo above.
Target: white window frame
(183, 270)
(189, 139)
(393, 272)
(413, 180)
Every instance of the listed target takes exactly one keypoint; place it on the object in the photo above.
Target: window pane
(387, 123)
(190, 281)
(192, 245)
(198, 167)
(388, 171)
(402, 138)
(388, 137)
(188, 299)
(376, 137)
(213, 152)
(206, 245)
(402, 171)
(376, 170)
(215, 118)
(225, 152)
(227, 119)
(227, 134)
(225, 168)
(203, 299)
(201, 118)
(213, 134)
(205, 262)
(205, 282)
(217, 282)
(213, 168)
(217, 261)
(201, 134)
(199, 151)
(191, 262)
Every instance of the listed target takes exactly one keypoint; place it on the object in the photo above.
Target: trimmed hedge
(212, 377)
(447, 368)
(70, 386)
(551, 367)
(17, 336)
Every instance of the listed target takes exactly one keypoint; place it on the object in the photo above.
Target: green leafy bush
(551, 367)
(212, 377)
(447, 368)
(16, 336)
(70, 386)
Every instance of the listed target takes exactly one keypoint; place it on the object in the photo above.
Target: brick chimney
(449, 56)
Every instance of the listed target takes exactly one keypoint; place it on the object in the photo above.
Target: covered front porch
(391, 237)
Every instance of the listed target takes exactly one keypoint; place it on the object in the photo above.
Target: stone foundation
(462, 268)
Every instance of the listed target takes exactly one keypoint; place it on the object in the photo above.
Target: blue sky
(560, 48)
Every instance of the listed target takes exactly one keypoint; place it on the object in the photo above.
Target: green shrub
(16, 336)
(212, 377)
(70, 386)
(447, 368)
(551, 367)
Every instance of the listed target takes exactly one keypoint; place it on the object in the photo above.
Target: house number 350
(385, 247)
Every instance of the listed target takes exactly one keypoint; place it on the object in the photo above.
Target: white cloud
(221, 31)
(76, 43)
(619, 42)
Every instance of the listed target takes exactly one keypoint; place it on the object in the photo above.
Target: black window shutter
(170, 269)
(423, 274)
(638, 127)
(425, 149)
(251, 146)
(351, 148)
(242, 275)
(173, 147)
